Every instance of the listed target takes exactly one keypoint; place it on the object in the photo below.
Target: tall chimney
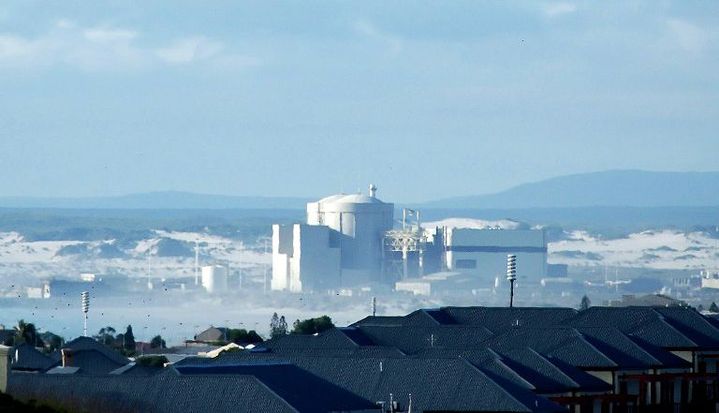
(4, 367)
(66, 357)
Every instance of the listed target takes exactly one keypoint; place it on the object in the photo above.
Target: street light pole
(511, 276)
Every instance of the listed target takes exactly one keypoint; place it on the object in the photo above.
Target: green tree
(714, 308)
(129, 339)
(312, 325)
(106, 336)
(244, 337)
(152, 361)
(585, 304)
(278, 326)
(52, 341)
(157, 342)
(26, 333)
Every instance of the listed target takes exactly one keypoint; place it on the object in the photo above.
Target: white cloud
(109, 49)
(367, 29)
(189, 50)
(688, 36)
(109, 35)
(556, 9)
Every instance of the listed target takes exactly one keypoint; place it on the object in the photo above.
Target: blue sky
(425, 99)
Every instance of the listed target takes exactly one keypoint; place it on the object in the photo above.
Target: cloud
(556, 9)
(369, 30)
(687, 36)
(104, 35)
(107, 48)
(189, 50)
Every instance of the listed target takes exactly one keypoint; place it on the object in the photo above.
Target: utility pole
(511, 276)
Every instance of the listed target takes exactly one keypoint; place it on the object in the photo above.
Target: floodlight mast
(85, 300)
(511, 276)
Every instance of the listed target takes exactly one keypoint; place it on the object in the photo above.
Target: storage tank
(214, 278)
(361, 221)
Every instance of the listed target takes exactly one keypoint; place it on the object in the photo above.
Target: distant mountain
(610, 188)
(157, 200)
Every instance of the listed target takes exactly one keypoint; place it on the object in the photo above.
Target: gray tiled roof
(26, 357)
(412, 339)
(87, 343)
(162, 393)
(435, 384)
(643, 322)
(498, 319)
(566, 344)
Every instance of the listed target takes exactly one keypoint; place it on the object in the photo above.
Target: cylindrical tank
(361, 221)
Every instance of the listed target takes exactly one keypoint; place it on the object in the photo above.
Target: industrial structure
(352, 240)
(214, 278)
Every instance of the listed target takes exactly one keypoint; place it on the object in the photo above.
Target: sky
(426, 99)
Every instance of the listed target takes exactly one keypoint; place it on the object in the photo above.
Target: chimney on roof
(66, 357)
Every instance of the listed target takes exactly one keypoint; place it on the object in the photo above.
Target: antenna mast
(85, 300)
(511, 276)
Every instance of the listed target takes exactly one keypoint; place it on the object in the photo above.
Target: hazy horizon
(427, 100)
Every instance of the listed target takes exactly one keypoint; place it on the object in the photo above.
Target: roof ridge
(500, 387)
(581, 337)
(669, 324)
(554, 367)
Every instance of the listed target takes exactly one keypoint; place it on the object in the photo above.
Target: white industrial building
(484, 251)
(341, 244)
(350, 240)
(214, 278)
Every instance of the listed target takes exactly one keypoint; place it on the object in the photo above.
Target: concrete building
(340, 245)
(350, 240)
(484, 251)
(214, 278)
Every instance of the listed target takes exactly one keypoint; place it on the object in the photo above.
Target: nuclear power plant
(353, 240)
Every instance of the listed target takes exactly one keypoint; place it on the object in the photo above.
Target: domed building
(339, 246)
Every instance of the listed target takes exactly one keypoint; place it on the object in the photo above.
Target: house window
(465, 264)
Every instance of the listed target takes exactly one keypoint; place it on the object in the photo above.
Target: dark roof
(161, 393)
(87, 343)
(412, 339)
(134, 369)
(334, 338)
(668, 359)
(693, 325)
(291, 383)
(417, 318)
(619, 348)
(643, 322)
(93, 362)
(668, 327)
(435, 384)
(499, 319)
(563, 343)
(25, 357)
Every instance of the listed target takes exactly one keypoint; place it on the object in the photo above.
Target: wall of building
(315, 262)
(214, 278)
(305, 258)
(484, 251)
(281, 252)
